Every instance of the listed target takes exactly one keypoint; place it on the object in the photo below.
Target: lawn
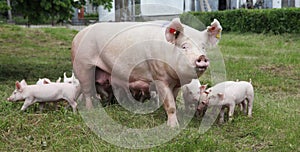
(271, 61)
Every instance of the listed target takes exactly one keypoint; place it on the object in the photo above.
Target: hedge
(277, 21)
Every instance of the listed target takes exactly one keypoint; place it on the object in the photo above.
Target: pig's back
(240, 89)
(221, 87)
(50, 92)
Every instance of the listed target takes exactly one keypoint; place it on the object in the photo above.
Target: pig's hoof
(173, 123)
(221, 122)
(89, 105)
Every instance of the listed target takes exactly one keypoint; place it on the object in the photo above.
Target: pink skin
(93, 47)
(103, 85)
(228, 94)
(140, 90)
(44, 93)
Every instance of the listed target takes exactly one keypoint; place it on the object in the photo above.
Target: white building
(125, 10)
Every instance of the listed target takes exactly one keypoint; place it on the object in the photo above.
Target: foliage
(3, 6)
(107, 4)
(39, 11)
(285, 20)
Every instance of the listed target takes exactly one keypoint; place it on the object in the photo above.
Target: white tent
(161, 7)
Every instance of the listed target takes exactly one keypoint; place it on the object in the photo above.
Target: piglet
(44, 93)
(191, 94)
(47, 81)
(71, 79)
(227, 94)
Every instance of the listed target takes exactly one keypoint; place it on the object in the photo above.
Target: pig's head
(203, 100)
(67, 80)
(193, 43)
(209, 98)
(192, 90)
(17, 94)
(42, 81)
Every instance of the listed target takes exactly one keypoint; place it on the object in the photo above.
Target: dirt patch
(280, 70)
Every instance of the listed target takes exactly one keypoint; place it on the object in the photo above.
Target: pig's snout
(202, 63)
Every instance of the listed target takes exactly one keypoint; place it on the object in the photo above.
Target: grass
(271, 61)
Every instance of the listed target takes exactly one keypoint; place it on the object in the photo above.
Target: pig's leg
(241, 106)
(231, 111)
(244, 104)
(55, 105)
(73, 104)
(86, 76)
(27, 103)
(41, 106)
(175, 92)
(221, 119)
(250, 106)
(165, 95)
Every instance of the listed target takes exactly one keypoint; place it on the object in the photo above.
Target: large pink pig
(167, 53)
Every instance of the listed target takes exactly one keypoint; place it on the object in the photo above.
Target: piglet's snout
(202, 63)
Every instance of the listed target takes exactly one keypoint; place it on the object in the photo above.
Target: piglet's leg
(41, 106)
(244, 104)
(27, 103)
(73, 104)
(221, 119)
(166, 95)
(250, 106)
(231, 111)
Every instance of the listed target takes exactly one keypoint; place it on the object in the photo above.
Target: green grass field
(271, 61)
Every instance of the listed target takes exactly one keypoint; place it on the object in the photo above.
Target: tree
(40, 11)
(3, 6)
(107, 4)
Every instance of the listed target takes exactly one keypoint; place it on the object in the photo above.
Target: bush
(285, 20)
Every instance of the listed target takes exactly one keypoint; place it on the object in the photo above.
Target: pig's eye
(184, 46)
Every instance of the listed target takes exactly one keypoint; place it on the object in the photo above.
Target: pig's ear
(58, 80)
(46, 82)
(23, 83)
(65, 76)
(221, 96)
(174, 30)
(18, 85)
(214, 32)
(202, 88)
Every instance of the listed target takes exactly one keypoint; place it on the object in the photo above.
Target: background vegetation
(285, 20)
(271, 61)
(44, 11)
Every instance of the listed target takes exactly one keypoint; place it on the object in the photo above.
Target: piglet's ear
(174, 30)
(23, 83)
(221, 96)
(18, 85)
(214, 32)
(65, 76)
(202, 88)
(58, 80)
(46, 82)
